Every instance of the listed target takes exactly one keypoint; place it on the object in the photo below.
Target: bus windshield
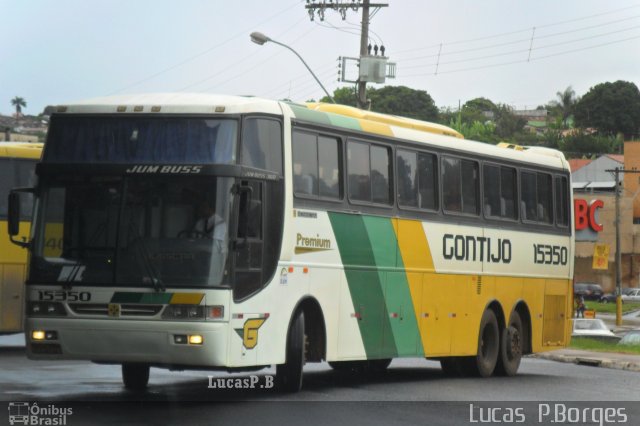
(134, 231)
(133, 139)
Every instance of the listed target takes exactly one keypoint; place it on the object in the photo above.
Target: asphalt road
(411, 392)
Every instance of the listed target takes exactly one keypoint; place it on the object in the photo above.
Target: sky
(515, 52)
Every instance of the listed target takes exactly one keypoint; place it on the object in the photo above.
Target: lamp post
(261, 39)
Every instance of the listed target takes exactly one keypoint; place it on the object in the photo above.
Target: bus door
(248, 243)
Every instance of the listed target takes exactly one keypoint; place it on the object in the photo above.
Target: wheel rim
(514, 346)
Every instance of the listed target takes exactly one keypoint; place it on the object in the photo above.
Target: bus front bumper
(151, 342)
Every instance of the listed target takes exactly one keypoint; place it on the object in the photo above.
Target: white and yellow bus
(235, 233)
(17, 168)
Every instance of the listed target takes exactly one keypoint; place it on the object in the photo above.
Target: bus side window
(529, 196)
(562, 209)
(7, 182)
(262, 144)
(406, 165)
(428, 181)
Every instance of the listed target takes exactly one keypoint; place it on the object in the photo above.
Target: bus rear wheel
(511, 344)
(289, 374)
(484, 363)
(135, 376)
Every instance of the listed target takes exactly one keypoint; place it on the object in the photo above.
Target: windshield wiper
(155, 281)
(77, 266)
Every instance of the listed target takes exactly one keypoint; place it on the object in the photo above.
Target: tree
(565, 104)
(610, 108)
(343, 96)
(18, 103)
(395, 100)
(476, 110)
(507, 123)
(404, 101)
(480, 104)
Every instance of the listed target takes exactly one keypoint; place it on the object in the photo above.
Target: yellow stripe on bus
(186, 298)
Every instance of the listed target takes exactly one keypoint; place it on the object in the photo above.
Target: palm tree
(19, 103)
(565, 103)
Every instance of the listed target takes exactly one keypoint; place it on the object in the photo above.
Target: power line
(204, 52)
(322, 71)
(522, 40)
(253, 67)
(244, 59)
(524, 30)
(524, 60)
(513, 52)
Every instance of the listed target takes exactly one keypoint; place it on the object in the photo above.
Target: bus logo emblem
(114, 310)
(249, 332)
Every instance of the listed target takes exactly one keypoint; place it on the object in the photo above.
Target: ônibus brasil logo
(25, 413)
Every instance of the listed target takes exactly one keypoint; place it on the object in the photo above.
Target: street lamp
(261, 39)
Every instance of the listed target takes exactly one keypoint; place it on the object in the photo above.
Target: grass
(587, 344)
(611, 307)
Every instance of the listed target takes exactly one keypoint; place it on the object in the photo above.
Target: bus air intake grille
(102, 309)
(46, 348)
(479, 285)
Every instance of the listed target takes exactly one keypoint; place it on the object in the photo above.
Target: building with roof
(591, 182)
(593, 175)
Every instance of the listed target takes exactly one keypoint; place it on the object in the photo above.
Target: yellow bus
(233, 233)
(17, 168)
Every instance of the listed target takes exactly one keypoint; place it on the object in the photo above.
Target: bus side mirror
(13, 220)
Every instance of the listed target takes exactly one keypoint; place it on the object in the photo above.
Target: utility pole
(318, 7)
(364, 41)
(616, 172)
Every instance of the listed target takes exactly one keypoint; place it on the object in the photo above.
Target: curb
(591, 361)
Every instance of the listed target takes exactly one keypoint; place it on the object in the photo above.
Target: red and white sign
(585, 214)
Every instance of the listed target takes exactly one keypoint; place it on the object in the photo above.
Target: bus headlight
(183, 312)
(46, 309)
(44, 335)
(193, 312)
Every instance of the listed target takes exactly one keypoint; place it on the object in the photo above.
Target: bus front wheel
(289, 374)
(135, 376)
(484, 363)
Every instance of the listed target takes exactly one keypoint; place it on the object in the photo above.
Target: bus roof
(326, 114)
(392, 120)
(422, 132)
(20, 150)
(172, 103)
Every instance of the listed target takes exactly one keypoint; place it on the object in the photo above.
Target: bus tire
(511, 347)
(135, 376)
(289, 374)
(484, 363)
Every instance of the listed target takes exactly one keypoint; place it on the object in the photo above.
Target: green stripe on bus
(397, 295)
(345, 122)
(364, 283)
(125, 297)
(304, 113)
(147, 298)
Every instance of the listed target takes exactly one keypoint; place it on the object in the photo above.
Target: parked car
(632, 296)
(593, 329)
(590, 291)
(631, 338)
(611, 297)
